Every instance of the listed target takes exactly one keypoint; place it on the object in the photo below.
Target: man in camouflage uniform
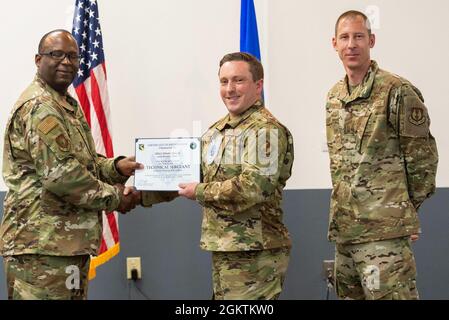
(383, 163)
(58, 185)
(247, 158)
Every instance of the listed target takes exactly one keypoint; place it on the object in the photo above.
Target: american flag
(90, 87)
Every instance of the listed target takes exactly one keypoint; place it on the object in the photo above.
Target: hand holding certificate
(167, 162)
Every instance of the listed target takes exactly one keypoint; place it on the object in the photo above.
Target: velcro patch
(47, 124)
(62, 142)
(415, 121)
(417, 116)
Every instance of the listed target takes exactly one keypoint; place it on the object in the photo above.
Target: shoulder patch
(415, 120)
(63, 143)
(416, 116)
(48, 124)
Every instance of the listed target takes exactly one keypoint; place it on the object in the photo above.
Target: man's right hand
(129, 190)
(128, 200)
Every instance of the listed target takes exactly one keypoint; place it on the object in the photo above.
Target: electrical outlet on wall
(133, 263)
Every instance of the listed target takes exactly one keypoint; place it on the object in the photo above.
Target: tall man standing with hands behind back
(383, 162)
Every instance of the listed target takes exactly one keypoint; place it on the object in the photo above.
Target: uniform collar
(234, 122)
(65, 101)
(364, 89)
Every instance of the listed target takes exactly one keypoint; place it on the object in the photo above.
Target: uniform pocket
(51, 204)
(83, 151)
(334, 129)
(363, 132)
(372, 129)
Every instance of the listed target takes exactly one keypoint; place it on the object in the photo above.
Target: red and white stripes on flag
(90, 88)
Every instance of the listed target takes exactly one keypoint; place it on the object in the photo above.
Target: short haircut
(354, 14)
(255, 67)
(45, 36)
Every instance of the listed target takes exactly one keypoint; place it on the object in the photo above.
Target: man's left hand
(128, 165)
(188, 190)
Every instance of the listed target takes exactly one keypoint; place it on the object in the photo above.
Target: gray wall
(173, 267)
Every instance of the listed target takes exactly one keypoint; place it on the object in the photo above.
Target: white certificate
(167, 162)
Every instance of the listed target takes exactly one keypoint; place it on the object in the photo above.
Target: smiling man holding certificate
(246, 160)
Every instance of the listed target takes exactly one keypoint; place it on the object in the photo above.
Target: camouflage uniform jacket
(57, 184)
(246, 162)
(383, 159)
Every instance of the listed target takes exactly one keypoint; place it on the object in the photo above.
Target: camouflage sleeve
(332, 142)
(410, 118)
(152, 197)
(61, 173)
(108, 170)
(260, 162)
